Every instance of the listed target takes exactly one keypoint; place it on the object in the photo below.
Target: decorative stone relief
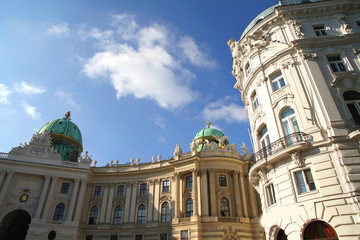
(309, 55)
(39, 146)
(345, 26)
(298, 29)
(194, 145)
(85, 158)
(296, 158)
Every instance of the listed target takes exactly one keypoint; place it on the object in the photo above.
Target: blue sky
(138, 76)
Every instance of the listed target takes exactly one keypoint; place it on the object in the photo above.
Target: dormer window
(320, 30)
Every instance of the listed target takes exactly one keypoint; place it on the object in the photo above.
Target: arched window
(319, 230)
(289, 122)
(141, 214)
(59, 212)
(352, 100)
(189, 207)
(264, 137)
(281, 235)
(165, 212)
(94, 212)
(117, 215)
(224, 207)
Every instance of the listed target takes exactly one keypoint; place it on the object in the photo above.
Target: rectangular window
(166, 186)
(88, 237)
(185, 235)
(97, 192)
(319, 30)
(277, 81)
(120, 190)
(222, 181)
(163, 236)
(358, 23)
(189, 181)
(254, 101)
(114, 237)
(138, 237)
(143, 189)
(336, 63)
(65, 187)
(304, 181)
(270, 194)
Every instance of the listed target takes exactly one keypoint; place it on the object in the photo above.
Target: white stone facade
(296, 68)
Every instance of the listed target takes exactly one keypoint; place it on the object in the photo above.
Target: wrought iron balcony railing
(281, 144)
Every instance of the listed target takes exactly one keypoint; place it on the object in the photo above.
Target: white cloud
(31, 110)
(144, 61)
(59, 30)
(159, 120)
(4, 94)
(161, 139)
(193, 53)
(67, 98)
(226, 110)
(26, 88)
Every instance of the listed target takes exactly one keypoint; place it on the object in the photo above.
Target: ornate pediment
(39, 146)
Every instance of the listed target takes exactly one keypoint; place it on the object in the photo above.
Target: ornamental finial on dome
(208, 124)
(67, 115)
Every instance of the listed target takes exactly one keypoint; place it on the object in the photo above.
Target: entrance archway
(15, 225)
(320, 231)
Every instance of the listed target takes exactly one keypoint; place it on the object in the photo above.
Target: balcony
(292, 142)
(353, 126)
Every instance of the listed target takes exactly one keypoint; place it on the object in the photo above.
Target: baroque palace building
(297, 67)
(49, 190)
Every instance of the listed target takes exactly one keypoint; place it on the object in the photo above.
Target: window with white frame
(166, 185)
(117, 215)
(189, 207)
(277, 81)
(352, 99)
(141, 214)
(184, 235)
(165, 212)
(289, 122)
(94, 212)
(222, 180)
(254, 101)
(65, 187)
(264, 137)
(188, 181)
(270, 194)
(336, 63)
(143, 189)
(224, 207)
(97, 191)
(59, 212)
(120, 190)
(304, 181)
(319, 30)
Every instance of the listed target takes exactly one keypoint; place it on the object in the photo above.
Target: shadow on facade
(15, 225)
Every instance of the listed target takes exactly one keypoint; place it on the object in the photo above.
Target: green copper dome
(66, 136)
(207, 134)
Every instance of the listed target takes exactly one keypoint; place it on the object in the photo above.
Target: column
(73, 199)
(156, 199)
(109, 203)
(181, 191)
(104, 203)
(204, 193)
(127, 203)
(212, 192)
(175, 193)
(49, 197)
(5, 186)
(2, 176)
(237, 194)
(40, 204)
(80, 201)
(243, 192)
(133, 203)
(195, 192)
(151, 204)
(254, 202)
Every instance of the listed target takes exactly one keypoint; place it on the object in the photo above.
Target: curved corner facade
(298, 72)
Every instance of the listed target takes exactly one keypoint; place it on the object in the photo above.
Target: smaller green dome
(208, 132)
(66, 136)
